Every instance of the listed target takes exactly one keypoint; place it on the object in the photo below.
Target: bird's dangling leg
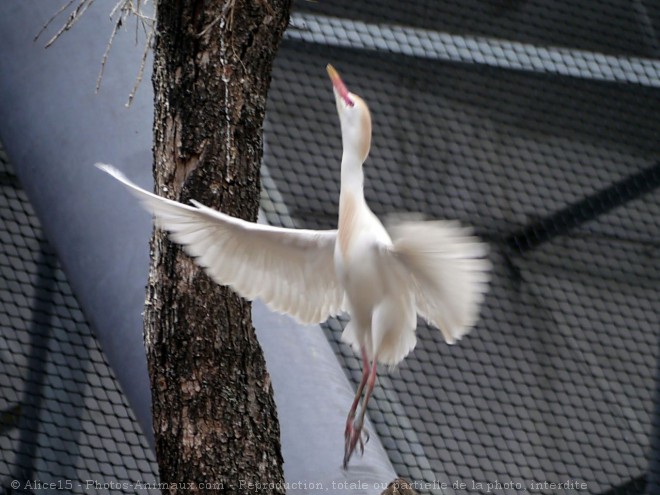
(371, 383)
(352, 437)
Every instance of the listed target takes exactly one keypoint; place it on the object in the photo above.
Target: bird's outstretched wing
(290, 270)
(450, 272)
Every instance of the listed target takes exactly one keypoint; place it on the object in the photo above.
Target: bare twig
(45, 26)
(147, 47)
(106, 53)
(74, 16)
(122, 10)
(227, 8)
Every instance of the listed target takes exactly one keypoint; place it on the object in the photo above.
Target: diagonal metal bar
(451, 47)
(33, 394)
(585, 209)
(634, 486)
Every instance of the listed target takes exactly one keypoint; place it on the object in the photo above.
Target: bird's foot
(353, 437)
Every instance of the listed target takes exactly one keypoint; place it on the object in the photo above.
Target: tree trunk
(213, 411)
(399, 486)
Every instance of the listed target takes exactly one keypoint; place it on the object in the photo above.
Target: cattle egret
(382, 277)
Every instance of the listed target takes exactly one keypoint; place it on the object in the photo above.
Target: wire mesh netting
(535, 123)
(65, 425)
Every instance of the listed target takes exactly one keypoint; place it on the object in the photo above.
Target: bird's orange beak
(339, 85)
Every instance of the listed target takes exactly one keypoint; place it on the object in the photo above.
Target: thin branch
(48, 23)
(127, 8)
(147, 46)
(74, 17)
(228, 7)
(106, 53)
(119, 5)
(123, 9)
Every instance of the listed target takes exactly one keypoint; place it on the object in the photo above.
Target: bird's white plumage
(382, 277)
(449, 270)
(381, 301)
(437, 269)
(291, 270)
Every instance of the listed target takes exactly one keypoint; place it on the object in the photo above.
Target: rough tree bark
(214, 415)
(399, 486)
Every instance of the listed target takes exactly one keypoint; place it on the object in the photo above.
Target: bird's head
(354, 117)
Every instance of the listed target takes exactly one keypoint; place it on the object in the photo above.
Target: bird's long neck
(352, 177)
(351, 201)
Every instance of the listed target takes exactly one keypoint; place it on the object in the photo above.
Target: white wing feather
(450, 272)
(290, 270)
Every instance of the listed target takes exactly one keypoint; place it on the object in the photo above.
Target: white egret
(381, 277)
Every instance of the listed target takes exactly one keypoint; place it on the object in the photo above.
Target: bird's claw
(365, 442)
(353, 438)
